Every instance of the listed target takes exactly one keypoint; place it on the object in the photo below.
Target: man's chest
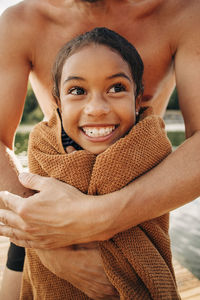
(147, 37)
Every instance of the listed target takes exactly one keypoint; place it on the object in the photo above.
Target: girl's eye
(117, 88)
(76, 91)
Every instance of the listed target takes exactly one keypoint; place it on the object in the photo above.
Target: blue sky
(6, 3)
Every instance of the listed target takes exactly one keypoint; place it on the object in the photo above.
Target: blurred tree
(32, 113)
(173, 102)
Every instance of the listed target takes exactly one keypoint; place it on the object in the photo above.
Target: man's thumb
(32, 181)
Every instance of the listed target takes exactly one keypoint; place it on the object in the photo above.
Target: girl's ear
(138, 101)
(58, 104)
(56, 97)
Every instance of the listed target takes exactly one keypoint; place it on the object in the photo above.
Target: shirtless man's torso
(37, 29)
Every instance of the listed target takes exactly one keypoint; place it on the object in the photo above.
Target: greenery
(21, 142)
(176, 137)
(32, 113)
(173, 102)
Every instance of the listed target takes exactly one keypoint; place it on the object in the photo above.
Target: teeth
(97, 132)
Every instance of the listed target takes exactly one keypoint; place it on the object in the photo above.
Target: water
(185, 235)
(184, 225)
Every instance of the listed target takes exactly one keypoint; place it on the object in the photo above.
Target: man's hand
(82, 268)
(57, 216)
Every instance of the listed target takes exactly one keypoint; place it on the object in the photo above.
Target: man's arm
(83, 218)
(75, 218)
(14, 72)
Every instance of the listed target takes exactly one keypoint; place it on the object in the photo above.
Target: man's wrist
(111, 213)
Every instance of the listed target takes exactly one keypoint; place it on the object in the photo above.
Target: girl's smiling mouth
(98, 132)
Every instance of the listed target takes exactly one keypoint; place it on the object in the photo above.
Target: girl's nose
(97, 106)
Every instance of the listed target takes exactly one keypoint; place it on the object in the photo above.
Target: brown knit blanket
(137, 261)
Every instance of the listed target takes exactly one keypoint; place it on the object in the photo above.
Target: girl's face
(97, 97)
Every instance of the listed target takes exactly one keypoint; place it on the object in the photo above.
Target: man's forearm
(85, 218)
(9, 169)
(171, 184)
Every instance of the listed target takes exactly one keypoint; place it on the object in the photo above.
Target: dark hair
(101, 36)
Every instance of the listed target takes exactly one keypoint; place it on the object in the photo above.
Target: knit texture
(137, 261)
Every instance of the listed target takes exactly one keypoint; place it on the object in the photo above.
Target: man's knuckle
(38, 244)
(22, 210)
(4, 197)
(26, 228)
(31, 229)
(4, 219)
(13, 234)
(28, 244)
(30, 179)
(47, 244)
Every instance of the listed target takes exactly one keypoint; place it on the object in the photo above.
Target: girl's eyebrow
(121, 74)
(73, 78)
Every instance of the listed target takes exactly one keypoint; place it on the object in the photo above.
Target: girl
(98, 85)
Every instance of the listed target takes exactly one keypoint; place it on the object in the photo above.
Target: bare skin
(166, 36)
